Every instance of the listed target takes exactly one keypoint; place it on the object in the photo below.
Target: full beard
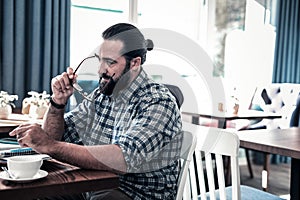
(114, 86)
(107, 87)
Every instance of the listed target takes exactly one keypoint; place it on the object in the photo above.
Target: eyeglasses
(76, 86)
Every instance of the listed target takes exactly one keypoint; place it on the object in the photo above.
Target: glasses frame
(76, 86)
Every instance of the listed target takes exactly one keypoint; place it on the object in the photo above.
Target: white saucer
(39, 175)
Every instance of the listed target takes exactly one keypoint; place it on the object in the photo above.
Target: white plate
(39, 175)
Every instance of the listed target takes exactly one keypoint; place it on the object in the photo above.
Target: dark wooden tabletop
(284, 142)
(7, 128)
(62, 179)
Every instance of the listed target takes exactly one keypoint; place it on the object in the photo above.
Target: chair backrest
(217, 143)
(279, 98)
(186, 155)
(177, 93)
(295, 119)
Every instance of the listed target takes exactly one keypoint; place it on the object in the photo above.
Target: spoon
(10, 175)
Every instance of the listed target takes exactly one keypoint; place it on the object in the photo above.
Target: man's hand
(32, 135)
(61, 86)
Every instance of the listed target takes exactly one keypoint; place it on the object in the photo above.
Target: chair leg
(249, 163)
(265, 173)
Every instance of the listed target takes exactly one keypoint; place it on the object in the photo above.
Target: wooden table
(285, 142)
(6, 128)
(62, 179)
(224, 117)
(14, 120)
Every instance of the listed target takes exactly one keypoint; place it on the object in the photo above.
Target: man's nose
(102, 68)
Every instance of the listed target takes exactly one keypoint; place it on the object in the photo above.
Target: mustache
(106, 76)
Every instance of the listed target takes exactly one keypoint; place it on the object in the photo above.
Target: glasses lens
(87, 79)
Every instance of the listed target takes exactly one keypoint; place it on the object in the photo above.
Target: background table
(14, 120)
(224, 117)
(6, 127)
(285, 142)
(62, 179)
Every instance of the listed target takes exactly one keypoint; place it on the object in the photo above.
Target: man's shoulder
(148, 90)
(152, 89)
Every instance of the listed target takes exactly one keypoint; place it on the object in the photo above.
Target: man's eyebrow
(109, 59)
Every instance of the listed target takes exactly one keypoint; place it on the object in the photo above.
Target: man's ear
(135, 63)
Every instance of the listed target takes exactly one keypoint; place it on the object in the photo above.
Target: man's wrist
(56, 105)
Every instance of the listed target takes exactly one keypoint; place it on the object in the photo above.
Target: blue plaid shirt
(145, 122)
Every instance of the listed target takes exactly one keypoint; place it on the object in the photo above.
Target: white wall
(249, 61)
(249, 55)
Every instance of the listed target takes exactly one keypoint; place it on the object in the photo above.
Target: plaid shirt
(145, 122)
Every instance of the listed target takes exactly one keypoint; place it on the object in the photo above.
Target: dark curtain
(287, 53)
(35, 44)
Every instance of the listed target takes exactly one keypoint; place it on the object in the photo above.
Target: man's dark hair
(134, 42)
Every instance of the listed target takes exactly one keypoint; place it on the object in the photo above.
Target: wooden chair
(188, 144)
(186, 155)
(207, 177)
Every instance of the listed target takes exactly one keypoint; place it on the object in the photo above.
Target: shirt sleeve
(75, 123)
(153, 140)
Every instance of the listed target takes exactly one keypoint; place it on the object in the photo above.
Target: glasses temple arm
(71, 80)
(95, 55)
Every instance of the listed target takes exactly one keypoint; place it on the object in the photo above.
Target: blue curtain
(287, 53)
(287, 48)
(35, 44)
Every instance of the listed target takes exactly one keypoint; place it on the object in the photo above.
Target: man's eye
(110, 62)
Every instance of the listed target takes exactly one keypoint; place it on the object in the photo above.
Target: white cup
(24, 166)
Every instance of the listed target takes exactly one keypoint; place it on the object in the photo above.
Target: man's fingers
(22, 128)
(61, 82)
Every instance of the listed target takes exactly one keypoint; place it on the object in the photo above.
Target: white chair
(186, 155)
(218, 143)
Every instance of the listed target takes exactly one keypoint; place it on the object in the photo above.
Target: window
(249, 53)
(88, 20)
(195, 20)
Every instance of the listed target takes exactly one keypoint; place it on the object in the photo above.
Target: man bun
(149, 44)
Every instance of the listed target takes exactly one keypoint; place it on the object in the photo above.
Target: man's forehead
(111, 48)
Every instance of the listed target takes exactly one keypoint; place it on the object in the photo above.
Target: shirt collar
(127, 93)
